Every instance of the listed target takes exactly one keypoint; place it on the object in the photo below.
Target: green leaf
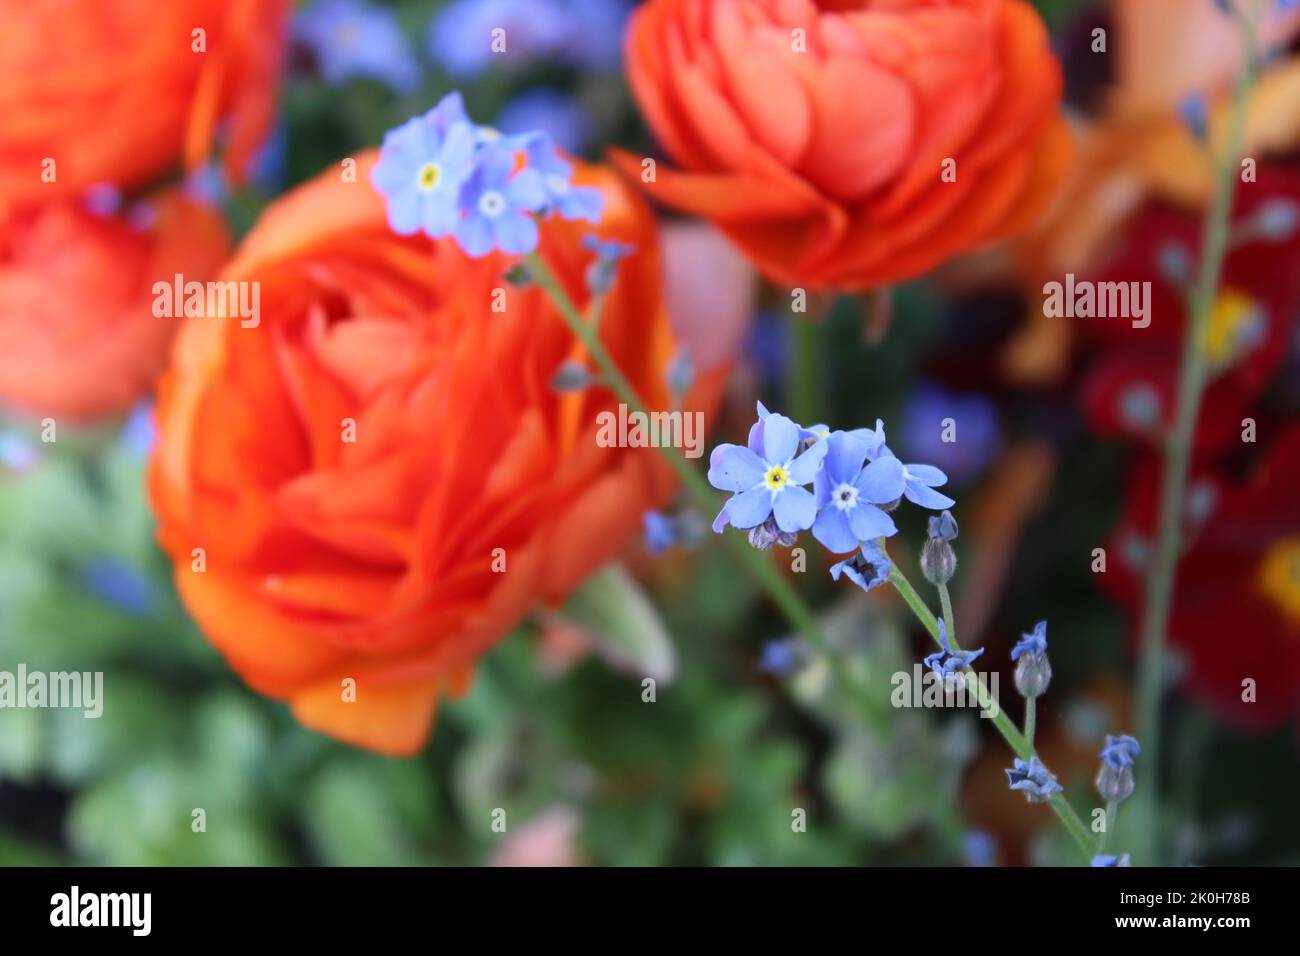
(623, 625)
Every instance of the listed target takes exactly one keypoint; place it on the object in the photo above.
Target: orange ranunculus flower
(116, 91)
(816, 134)
(78, 334)
(352, 464)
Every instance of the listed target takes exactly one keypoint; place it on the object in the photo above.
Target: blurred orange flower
(468, 490)
(116, 92)
(78, 336)
(851, 144)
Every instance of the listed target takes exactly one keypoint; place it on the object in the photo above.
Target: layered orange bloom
(78, 336)
(381, 477)
(116, 92)
(851, 144)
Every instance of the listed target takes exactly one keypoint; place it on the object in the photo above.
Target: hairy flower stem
(1031, 718)
(1020, 746)
(1178, 450)
(1112, 813)
(778, 588)
(946, 603)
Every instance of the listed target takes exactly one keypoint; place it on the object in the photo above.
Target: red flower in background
(817, 135)
(1129, 390)
(78, 336)
(117, 91)
(1236, 610)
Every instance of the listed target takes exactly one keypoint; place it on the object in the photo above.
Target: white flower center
(492, 204)
(845, 496)
(557, 184)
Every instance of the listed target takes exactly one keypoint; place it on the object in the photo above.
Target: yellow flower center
(1233, 319)
(429, 175)
(776, 478)
(1279, 576)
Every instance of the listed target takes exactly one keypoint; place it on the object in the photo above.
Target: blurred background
(1053, 460)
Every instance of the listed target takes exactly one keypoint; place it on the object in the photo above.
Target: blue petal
(845, 453)
(475, 236)
(869, 522)
(795, 509)
(804, 468)
(405, 211)
(926, 497)
(722, 520)
(440, 216)
(881, 481)
(734, 468)
(832, 529)
(751, 508)
(581, 202)
(780, 439)
(516, 233)
(526, 190)
(927, 475)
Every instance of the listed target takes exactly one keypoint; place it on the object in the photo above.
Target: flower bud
(938, 561)
(1033, 674)
(1114, 783)
(765, 535)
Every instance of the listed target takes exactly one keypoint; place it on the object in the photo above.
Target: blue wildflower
(1033, 669)
(602, 272)
(348, 38)
(594, 42)
(680, 373)
(871, 556)
(102, 199)
(847, 494)
(782, 658)
(1195, 114)
(497, 201)
(1033, 779)
(767, 478)
(944, 527)
(562, 197)
(422, 166)
(139, 433)
(660, 531)
(979, 848)
(1035, 643)
(1115, 780)
(807, 435)
(913, 482)
(16, 453)
(938, 559)
(117, 583)
(558, 115)
(1120, 750)
(461, 34)
(978, 433)
(1102, 859)
(950, 661)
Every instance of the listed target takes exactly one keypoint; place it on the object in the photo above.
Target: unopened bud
(938, 561)
(1115, 783)
(1033, 674)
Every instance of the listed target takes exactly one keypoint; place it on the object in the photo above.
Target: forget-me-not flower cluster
(443, 175)
(856, 481)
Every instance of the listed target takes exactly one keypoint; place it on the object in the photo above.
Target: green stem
(1112, 814)
(1031, 717)
(806, 367)
(778, 588)
(1178, 452)
(1019, 745)
(946, 603)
